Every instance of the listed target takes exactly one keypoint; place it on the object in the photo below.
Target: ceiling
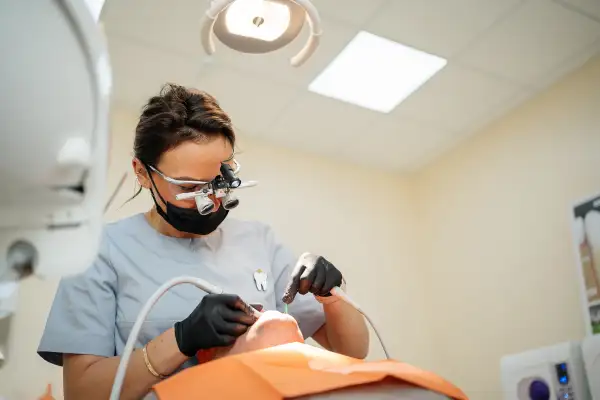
(500, 53)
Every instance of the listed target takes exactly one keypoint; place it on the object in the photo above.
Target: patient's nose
(272, 315)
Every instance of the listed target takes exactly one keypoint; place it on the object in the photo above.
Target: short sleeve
(82, 316)
(305, 309)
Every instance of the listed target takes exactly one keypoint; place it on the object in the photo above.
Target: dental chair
(271, 361)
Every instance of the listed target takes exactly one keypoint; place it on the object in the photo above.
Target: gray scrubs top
(94, 312)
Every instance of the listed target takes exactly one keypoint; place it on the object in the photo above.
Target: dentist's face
(190, 161)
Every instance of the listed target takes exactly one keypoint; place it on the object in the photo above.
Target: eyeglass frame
(183, 182)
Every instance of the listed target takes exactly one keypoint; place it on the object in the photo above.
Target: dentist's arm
(91, 377)
(345, 330)
(217, 321)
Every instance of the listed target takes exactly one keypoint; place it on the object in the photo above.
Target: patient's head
(272, 329)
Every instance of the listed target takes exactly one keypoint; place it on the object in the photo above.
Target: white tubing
(135, 331)
(336, 291)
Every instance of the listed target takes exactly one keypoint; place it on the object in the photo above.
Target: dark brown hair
(177, 115)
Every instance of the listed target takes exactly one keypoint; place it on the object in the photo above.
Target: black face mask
(189, 220)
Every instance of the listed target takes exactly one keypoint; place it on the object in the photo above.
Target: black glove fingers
(226, 328)
(244, 307)
(217, 321)
(307, 278)
(293, 285)
(333, 279)
(313, 274)
(225, 340)
(319, 281)
(236, 316)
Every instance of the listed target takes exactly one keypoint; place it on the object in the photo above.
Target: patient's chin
(272, 329)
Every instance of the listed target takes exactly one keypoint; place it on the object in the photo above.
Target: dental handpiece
(338, 292)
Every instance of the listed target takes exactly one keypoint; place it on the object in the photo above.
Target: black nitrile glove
(315, 275)
(217, 321)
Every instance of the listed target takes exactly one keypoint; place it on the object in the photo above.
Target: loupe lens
(204, 204)
(230, 202)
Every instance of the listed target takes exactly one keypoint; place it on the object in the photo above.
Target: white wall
(495, 239)
(320, 206)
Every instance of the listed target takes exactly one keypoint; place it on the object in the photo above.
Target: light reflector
(376, 73)
(258, 19)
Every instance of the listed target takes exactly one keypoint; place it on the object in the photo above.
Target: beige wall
(361, 220)
(495, 236)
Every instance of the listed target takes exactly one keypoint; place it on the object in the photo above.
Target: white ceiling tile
(354, 12)
(170, 25)
(276, 65)
(569, 65)
(478, 125)
(532, 42)
(253, 102)
(140, 71)
(440, 27)
(588, 7)
(319, 124)
(396, 143)
(456, 96)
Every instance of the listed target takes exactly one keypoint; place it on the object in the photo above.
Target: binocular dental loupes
(222, 187)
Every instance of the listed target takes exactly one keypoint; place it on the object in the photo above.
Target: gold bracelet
(149, 366)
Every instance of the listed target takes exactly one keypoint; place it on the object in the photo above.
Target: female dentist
(181, 141)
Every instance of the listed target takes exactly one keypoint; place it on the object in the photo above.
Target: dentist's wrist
(332, 299)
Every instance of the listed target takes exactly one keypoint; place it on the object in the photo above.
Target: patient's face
(272, 329)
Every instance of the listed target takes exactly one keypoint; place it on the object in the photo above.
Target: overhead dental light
(261, 26)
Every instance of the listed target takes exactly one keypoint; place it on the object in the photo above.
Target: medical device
(56, 84)
(222, 187)
(590, 347)
(208, 288)
(261, 26)
(554, 372)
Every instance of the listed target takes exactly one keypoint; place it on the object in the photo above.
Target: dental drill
(338, 292)
(210, 289)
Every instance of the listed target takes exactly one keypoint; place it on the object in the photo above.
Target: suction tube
(135, 331)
